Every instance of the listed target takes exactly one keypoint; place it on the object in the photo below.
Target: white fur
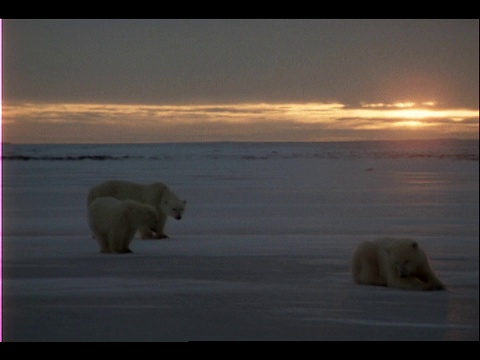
(114, 222)
(156, 194)
(398, 263)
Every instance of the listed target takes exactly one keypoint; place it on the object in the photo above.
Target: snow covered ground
(262, 253)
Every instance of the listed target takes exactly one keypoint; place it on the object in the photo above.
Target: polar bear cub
(398, 263)
(114, 222)
(157, 194)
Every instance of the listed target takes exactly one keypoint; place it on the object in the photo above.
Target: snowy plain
(262, 253)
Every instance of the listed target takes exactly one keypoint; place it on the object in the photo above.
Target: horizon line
(250, 141)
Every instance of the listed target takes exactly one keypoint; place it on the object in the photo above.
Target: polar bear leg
(426, 275)
(436, 284)
(127, 239)
(119, 240)
(147, 233)
(162, 219)
(369, 274)
(409, 283)
(365, 265)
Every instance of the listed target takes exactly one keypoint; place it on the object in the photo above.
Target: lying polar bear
(398, 263)
(157, 194)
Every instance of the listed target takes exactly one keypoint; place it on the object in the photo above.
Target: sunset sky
(138, 81)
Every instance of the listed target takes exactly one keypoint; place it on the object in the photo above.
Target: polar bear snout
(177, 214)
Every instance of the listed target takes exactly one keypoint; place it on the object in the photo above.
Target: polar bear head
(407, 257)
(172, 206)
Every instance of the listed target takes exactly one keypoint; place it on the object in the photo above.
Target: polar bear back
(126, 190)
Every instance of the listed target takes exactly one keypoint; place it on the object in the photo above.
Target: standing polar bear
(157, 194)
(398, 263)
(114, 222)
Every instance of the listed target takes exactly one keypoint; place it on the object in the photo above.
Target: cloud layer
(120, 123)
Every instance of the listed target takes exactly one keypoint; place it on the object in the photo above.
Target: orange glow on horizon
(230, 119)
(411, 123)
(407, 104)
